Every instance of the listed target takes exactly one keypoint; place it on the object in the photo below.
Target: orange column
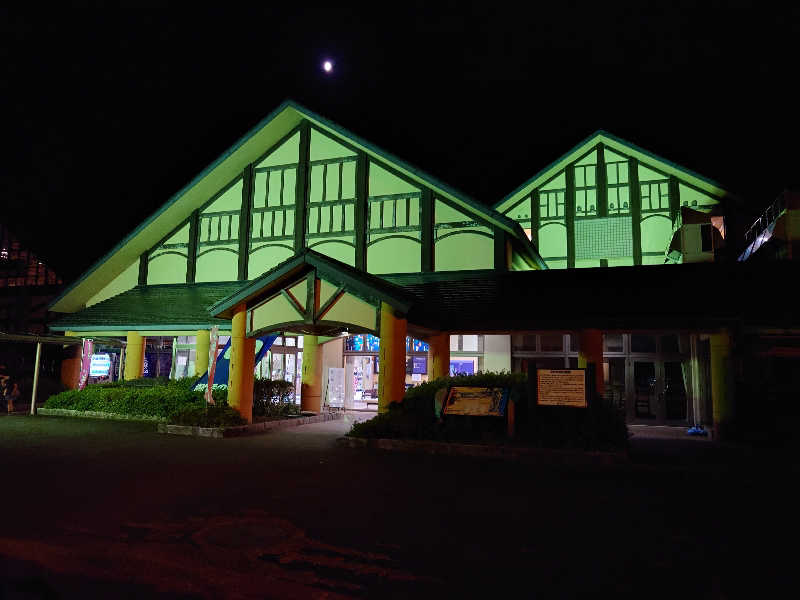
(242, 365)
(440, 355)
(71, 365)
(591, 351)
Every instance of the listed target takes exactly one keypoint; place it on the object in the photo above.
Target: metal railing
(769, 216)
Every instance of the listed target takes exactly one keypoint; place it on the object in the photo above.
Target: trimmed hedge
(200, 415)
(599, 427)
(149, 397)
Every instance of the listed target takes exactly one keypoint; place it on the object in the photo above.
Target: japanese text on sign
(561, 387)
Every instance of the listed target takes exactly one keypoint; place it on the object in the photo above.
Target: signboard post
(212, 363)
(336, 387)
(561, 387)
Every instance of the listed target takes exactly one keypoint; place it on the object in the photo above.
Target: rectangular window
(470, 343)
(552, 342)
(612, 342)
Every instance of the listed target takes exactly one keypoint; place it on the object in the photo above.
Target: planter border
(242, 430)
(95, 414)
(556, 456)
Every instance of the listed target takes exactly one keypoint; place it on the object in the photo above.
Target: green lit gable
(607, 203)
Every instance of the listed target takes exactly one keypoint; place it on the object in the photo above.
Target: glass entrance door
(675, 398)
(645, 392)
(659, 392)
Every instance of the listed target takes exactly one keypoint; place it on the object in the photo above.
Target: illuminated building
(304, 229)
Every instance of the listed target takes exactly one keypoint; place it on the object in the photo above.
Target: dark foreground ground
(96, 509)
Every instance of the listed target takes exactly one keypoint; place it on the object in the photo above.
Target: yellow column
(590, 342)
(440, 355)
(134, 356)
(311, 383)
(201, 352)
(240, 376)
(392, 376)
(721, 390)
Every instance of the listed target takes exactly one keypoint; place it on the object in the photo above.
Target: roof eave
(62, 303)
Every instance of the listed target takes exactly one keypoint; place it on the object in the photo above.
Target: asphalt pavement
(113, 509)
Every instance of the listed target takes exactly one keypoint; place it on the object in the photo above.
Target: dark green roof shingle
(154, 307)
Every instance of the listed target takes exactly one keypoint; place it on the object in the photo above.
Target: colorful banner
(86, 362)
(212, 363)
(222, 363)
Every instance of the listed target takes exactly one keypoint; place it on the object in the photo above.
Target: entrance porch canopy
(314, 295)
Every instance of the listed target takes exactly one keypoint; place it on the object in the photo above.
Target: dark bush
(600, 426)
(213, 415)
(273, 398)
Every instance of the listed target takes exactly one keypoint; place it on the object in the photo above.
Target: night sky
(108, 109)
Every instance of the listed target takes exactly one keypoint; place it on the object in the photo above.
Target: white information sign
(100, 365)
(562, 387)
(335, 387)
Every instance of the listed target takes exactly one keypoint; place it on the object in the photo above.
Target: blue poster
(462, 367)
(224, 361)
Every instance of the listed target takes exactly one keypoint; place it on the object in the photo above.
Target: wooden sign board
(476, 401)
(561, 387)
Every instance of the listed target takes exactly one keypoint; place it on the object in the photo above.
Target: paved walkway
(112, 509)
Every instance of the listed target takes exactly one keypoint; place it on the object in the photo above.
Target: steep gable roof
(623, 147)
(229, 165)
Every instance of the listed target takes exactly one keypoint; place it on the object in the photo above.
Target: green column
(721, 384)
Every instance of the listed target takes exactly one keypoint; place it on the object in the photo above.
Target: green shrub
(213, 415)
(273, 398)
(161, 399)
(600, 426)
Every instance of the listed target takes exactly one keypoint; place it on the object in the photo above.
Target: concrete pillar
(721, 388)
(392, 367)
(201, 352)
(311, 382)
(242, 365)
(590, 343)
(440, 356)
(134, 356)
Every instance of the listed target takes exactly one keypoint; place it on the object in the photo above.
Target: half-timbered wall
(314, 191)
(166, 263)
(605, 209)
(330, 216)
(273, 208)
(394, 220)
(460, 242)
(218, 236)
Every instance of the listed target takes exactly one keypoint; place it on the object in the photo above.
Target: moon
(327, 66)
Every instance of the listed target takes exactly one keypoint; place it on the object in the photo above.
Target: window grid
(551, 204)
(655, 196)
(585, 191)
